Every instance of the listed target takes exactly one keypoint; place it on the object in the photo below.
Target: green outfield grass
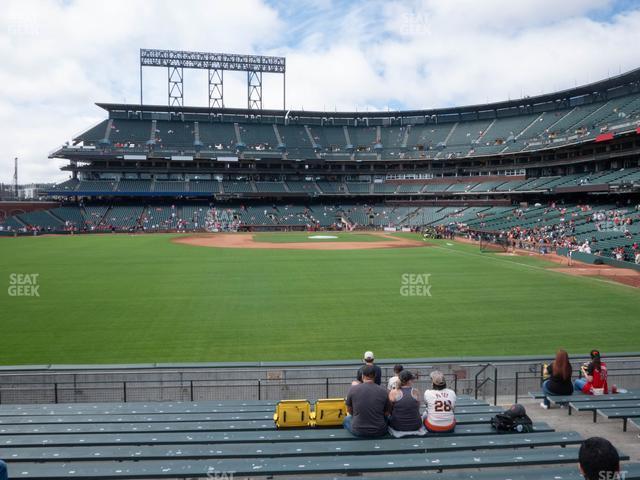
(288, 237)
(130, 299)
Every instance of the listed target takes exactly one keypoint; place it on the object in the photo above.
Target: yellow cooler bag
(329, 412)
(292, 414)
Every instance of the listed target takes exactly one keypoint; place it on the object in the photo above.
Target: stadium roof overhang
(600, 89)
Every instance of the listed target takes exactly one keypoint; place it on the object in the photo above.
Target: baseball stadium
(206, 273)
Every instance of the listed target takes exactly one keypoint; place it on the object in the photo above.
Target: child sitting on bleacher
(394, 382)
(595, 376)
(441, 403)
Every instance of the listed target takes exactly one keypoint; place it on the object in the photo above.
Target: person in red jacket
(595, 375)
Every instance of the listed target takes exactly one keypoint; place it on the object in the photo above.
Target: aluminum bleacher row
(198, 440)
(208, 188)
(622, 406)
(449, 139)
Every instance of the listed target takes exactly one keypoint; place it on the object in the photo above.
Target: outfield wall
(485, 377)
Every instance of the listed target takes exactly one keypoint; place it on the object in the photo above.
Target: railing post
(55, 392)
(259, 391)
(191, 389)
(495, 386)
(124, 391)
(327, 389)
(475, 388)
(455, 383)
(516, 399)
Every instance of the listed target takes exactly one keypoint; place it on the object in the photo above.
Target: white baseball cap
(368, 355)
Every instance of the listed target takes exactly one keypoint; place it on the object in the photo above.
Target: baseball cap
(368, 355)
(595, 353)
(437, 378)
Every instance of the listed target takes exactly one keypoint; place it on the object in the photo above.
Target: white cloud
(60, 58)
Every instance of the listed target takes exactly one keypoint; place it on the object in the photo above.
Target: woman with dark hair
(559, 381)
(405, 416)
(595, 376)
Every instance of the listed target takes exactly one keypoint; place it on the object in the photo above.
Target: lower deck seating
(41, 218)
(169, 440)
(122, 217)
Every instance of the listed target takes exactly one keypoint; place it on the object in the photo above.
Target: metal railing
(478, 385)
(182, 390)
(269, 382)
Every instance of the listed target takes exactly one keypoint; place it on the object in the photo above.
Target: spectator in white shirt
(441, 403)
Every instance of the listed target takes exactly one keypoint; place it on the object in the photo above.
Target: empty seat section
(204, 186)
(358, 188)
(122, 218)
(217, 136)
(170, 186)
(130, 132)
(96, 186)
(271, 187)
(240, 186)
(174, 134)
(134, 186)
(258, 137)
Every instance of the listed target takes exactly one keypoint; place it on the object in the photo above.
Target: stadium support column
(175, 86)
(216, 88)
(254, 90)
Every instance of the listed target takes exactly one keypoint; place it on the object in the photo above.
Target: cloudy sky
(59, 57)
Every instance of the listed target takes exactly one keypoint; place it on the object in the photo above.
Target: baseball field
(150, 298)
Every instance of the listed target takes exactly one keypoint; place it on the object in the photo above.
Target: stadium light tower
(15, 178)
(215, 63)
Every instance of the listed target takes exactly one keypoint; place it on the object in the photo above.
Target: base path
(245, 240)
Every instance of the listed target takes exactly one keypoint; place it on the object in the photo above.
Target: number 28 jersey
(440, 407)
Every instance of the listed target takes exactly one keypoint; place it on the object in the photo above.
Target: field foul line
(536, 267)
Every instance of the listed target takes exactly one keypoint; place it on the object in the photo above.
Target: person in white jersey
(441, 403)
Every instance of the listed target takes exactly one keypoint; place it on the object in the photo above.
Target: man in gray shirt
(368, 405)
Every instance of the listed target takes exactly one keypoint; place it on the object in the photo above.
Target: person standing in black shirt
(368, 361)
